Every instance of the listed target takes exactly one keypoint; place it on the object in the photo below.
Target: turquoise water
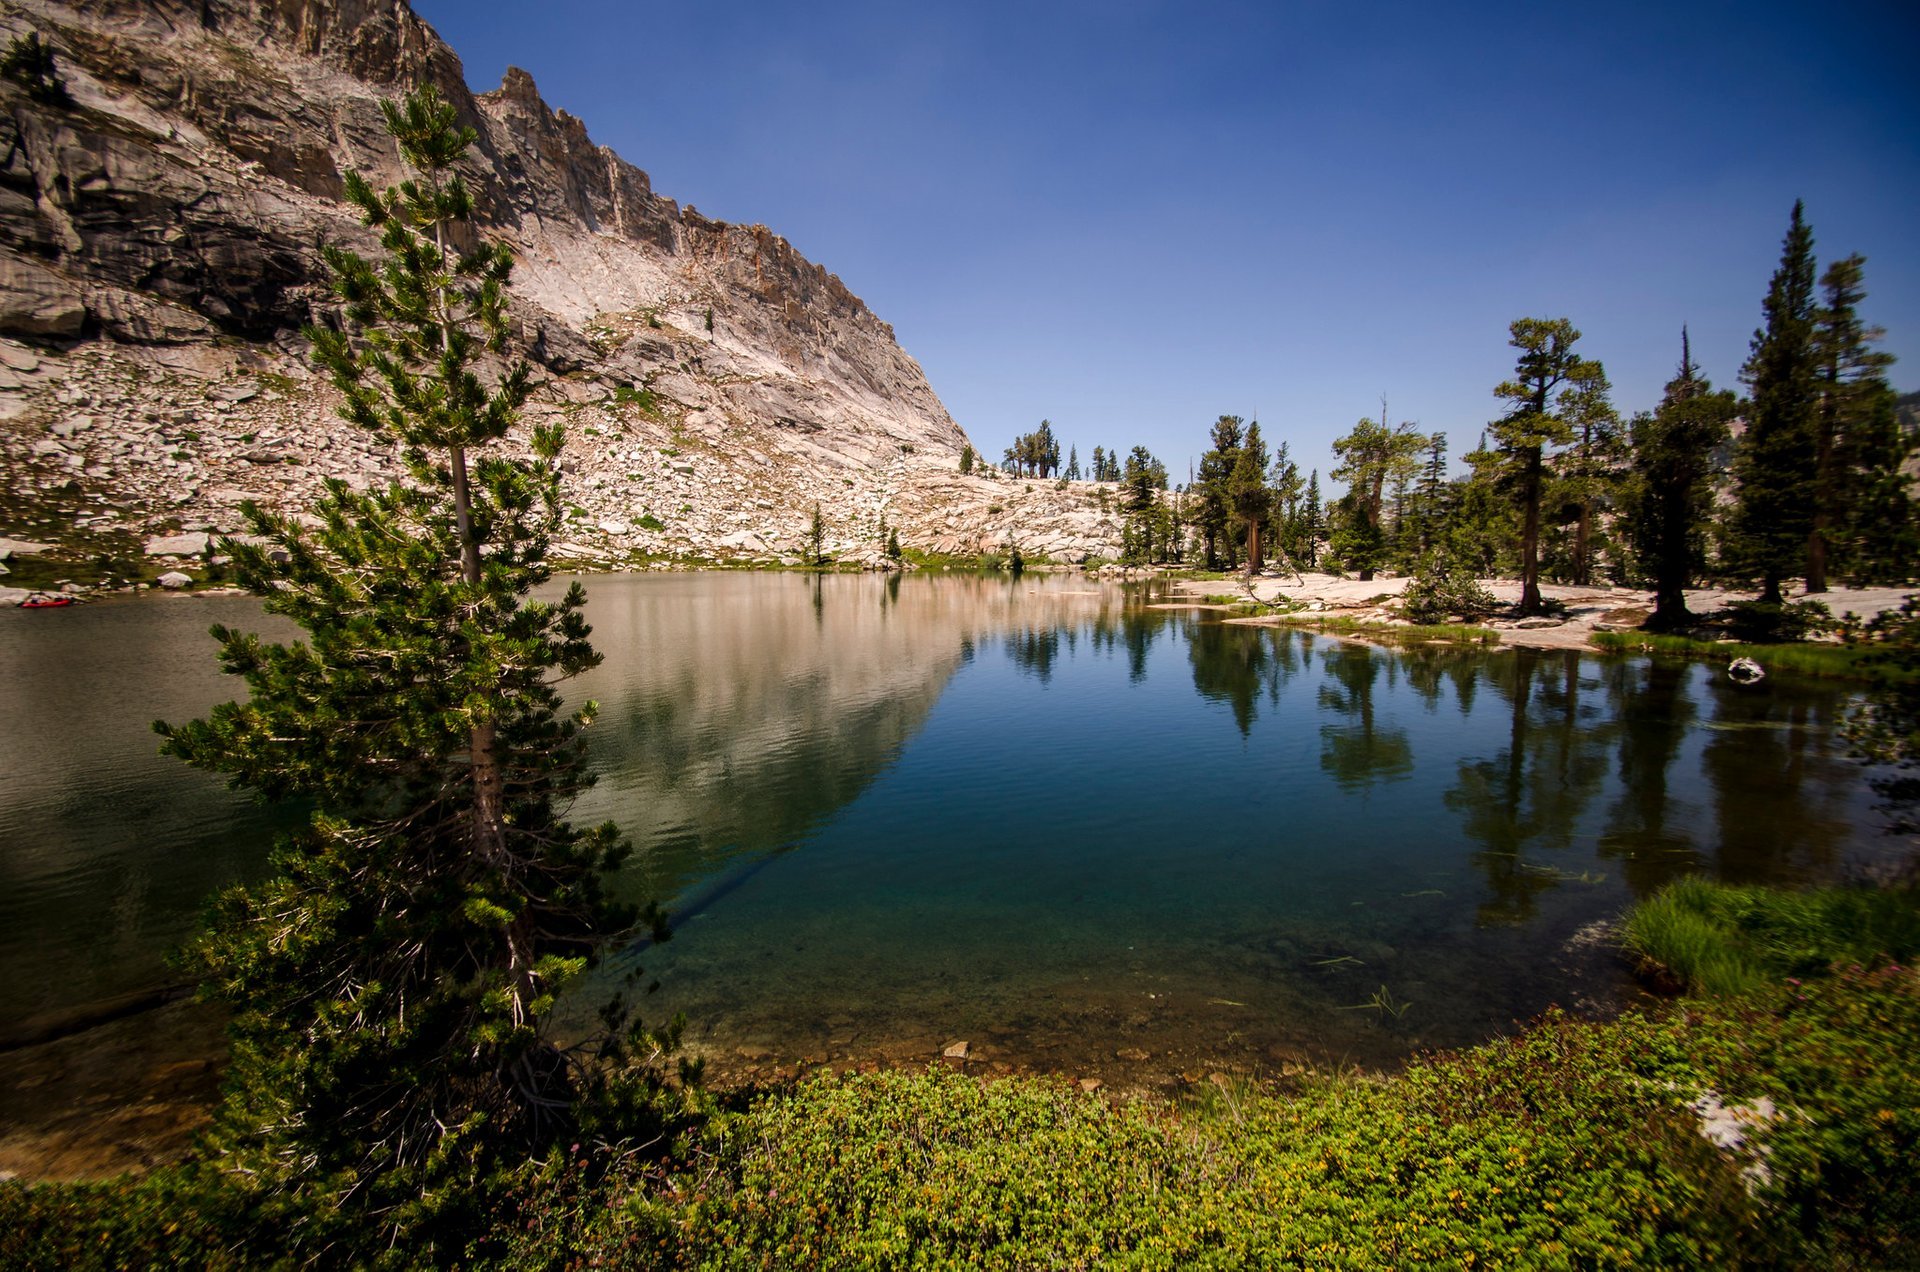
(1078, 832)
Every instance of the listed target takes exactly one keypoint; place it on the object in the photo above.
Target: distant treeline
(1801, 478)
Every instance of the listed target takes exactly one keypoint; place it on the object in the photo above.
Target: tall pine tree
(1777, 460)
(1670, 494)
(392, 981)
(1550, 381)
(1860, 512)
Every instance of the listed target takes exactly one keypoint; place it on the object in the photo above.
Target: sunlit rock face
(159, 253)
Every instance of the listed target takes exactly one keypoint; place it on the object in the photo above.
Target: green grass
(1809, 659)
(1410, 634)
(1569, 1145)
(1719, 939)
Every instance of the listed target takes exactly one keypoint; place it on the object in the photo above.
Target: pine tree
(1859, 492)
(1670, 495)
(29, 63)
(1073, 463)
(1590, 469)
(1213, 504)
(1312, 521)
(1777, 458)
(816, 539)
(1535, 423)
(1284, 489)
(1431, 496)
(1373, 456)
(392, 981)
(1247, 491)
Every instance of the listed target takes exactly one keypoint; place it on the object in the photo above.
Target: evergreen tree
(392, 980)
(1430, 496)
(1213, 501)
(29, 63)
(1884, 546)
(1247, 490)
(1860, 503)
(1535, 423)
(1483, 530)
(1591, 468)
(893, 543)
(1284, 490)
(1777, 458)
(1073, 463)
(1670, 496)
(817, 539)
(966, 460)
(1148, 521)
(1312, 521)
(1373, 456)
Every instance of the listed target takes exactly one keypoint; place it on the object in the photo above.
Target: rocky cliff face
(159, 237)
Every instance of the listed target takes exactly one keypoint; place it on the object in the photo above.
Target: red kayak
(40, 600)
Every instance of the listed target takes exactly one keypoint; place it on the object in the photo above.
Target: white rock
(174, 580)
(194, 544)
(18, 357)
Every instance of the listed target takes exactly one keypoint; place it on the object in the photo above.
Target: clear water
(1079, 832)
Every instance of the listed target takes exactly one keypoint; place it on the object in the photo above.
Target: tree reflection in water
(1525, 802)
(1239, 664)
(1359, 752)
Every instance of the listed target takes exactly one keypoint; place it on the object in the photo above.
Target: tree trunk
(1254, 559)
(1582, 546)
(1670, 612)
(1530, 602)
(489, 803)
(1823, 494)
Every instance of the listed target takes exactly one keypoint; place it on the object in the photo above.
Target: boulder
(173, 580)
(35, 301)
(195, 544)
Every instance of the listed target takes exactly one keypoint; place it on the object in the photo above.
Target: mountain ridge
(159, 250)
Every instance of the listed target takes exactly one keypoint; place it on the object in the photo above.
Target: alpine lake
(1083, 832)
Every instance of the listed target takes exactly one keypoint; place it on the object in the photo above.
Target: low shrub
(1764, 623)
(1720, 939)
(1440, 591)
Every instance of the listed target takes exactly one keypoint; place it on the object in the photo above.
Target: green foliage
(1669, 497)
(648, 521)
(29, 63)
(1392, 633)
(392, 980)
(1035, 454)
(1146, 535)
(637, 396)
(1838, 661)
(966, 460)
(1772, 623)
(816, 546)
(893, 543)
(1719, 939)
(1374, 456)
(1445, 587)
(1569, 1145)
(1554, 398)
(1776, 463)
(1863, 514)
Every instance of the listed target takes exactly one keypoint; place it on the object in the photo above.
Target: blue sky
(1129, 217)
